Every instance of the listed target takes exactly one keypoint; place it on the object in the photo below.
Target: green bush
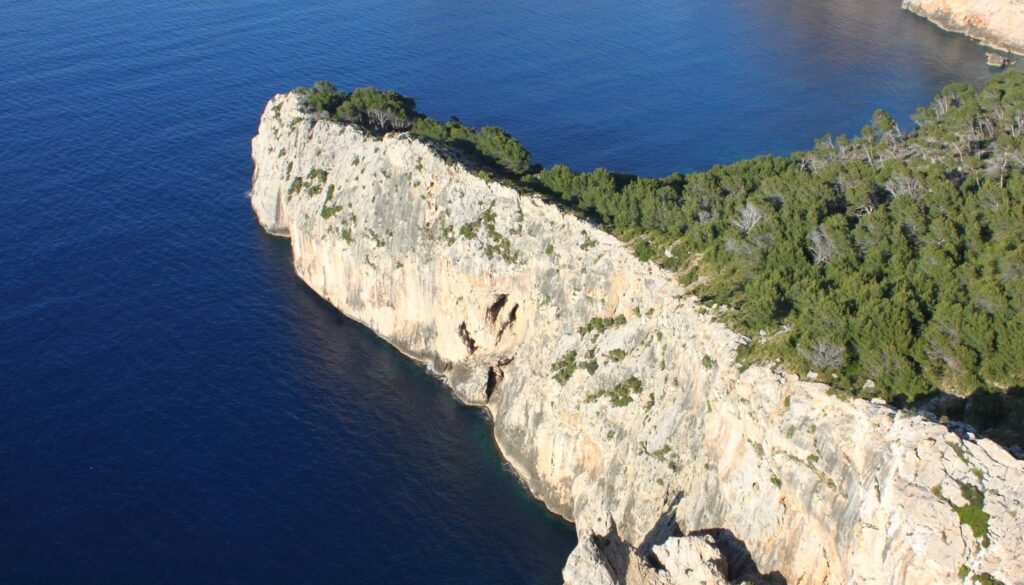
(380, 111)
(617, 355)
(505, 151)
(600, 324)
(622, 393)
(564, 368)
(891, 257)
(644, 250)
(322, 97)
(973, 514)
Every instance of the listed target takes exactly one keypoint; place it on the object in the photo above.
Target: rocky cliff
(614, 394)
(997, 23)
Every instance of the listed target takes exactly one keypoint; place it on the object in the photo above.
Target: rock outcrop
(614, 394)
(996, 23)
(692, 559)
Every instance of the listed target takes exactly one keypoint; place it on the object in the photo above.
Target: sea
(176, 407)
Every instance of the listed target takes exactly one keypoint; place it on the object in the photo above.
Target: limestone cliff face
(997, 23)
(491, 289)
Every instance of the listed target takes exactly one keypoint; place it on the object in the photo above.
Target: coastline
(581, 456)
(997, 24)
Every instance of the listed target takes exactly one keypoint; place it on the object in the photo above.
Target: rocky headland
(615, 395)
(996, 23)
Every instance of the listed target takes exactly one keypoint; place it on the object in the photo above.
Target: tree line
(380, 112)
(890, 262)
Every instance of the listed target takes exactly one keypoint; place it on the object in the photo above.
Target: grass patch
(973, 513)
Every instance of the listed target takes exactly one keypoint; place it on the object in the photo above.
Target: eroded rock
(996, 23)
(619, 423)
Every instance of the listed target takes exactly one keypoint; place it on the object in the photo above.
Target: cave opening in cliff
(493, 376)
(467, 339)
(496, 307)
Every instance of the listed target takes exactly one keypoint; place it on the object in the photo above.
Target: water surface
(176, 407)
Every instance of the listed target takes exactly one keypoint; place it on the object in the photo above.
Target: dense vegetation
(891, 263)
(386, 111)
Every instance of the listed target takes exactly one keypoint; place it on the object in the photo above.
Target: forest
(888, 263)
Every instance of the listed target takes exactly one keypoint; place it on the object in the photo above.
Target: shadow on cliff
(742, 567)
(998, 416)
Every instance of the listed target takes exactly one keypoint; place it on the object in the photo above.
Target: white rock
(454, 271)
(587, 566)
(997, 23)
(693, 559)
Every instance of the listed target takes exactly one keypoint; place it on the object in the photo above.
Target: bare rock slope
(996, 23)
(651, 439)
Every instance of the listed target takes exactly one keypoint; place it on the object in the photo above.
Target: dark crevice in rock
(654, 562)
(466, 338)
(495, 308)
(493, 377)
(742, 566)
(615, 552)
(509, 322)
(663, 529)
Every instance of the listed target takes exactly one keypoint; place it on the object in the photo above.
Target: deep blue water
(176, 407)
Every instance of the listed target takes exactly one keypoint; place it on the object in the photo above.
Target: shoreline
(974, 25)
(619, 470)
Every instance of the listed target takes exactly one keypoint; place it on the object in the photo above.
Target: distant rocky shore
(996, 23)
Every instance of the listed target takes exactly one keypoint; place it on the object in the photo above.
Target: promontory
(996, 23)
(623, 400)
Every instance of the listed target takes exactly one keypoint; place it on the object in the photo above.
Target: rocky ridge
(614, 394)
(996, 23)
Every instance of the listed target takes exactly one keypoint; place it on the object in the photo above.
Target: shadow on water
(424, 458)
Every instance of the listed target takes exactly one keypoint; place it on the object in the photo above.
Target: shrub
(504, 150)
(616, 355)
(889, 256)
(381, 111)
(322, 97)
(565, 367)
(600, 324)
(644, 250)
(973, 514)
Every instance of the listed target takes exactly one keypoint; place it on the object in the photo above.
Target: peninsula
(643, 382)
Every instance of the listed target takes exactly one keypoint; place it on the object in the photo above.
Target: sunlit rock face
(640, 427)
(997, 23)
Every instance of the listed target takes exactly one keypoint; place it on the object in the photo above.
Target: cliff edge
(996, 23)
(614, 394)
